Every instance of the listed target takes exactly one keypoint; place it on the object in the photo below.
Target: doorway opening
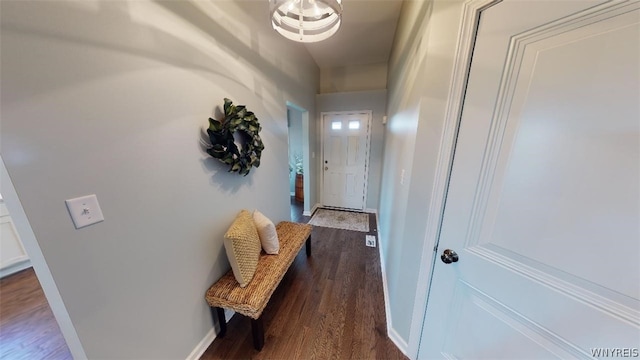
(299, 181)
(345, 158)
(32, 277)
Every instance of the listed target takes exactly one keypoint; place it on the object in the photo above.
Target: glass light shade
(306, 20)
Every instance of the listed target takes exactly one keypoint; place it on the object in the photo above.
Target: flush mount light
(306, 20)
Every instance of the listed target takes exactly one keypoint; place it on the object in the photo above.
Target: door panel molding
(524, 50)
(488, 143)
(571, 286)
(533, 333)
(461, 63)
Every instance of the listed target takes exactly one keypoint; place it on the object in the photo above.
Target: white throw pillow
(267, 233)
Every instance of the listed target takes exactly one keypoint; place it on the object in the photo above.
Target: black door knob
(449, 256)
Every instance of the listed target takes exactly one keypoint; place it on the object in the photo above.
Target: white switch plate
(84, 210)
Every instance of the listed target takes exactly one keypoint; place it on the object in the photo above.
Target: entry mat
(337, 219)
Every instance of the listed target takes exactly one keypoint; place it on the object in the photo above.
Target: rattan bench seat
(252, 299)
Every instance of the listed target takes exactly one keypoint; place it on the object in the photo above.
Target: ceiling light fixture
(306, 20)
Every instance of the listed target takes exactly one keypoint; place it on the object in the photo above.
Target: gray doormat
(345, 220)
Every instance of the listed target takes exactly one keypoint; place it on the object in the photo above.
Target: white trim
(18, 259)
(208, 339)
(461, 61)
(391, 332)
(361, 211)
(203, 345)
(39, 263)
(385, 288)
(309, 213)
(292, 194)
(369, 114)
(306, 160)
(15, 267)
(398, 341)
(372, 211)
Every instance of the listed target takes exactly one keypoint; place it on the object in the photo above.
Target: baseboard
(385, 288)
(393, 335)
(313, 209)
(292, 193)
(211, 335)
(203, 345)
(19, 266)
(365, 211)
(399, 341)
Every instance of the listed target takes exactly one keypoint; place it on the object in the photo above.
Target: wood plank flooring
(330, 305)
(28, 329)
(296, 211)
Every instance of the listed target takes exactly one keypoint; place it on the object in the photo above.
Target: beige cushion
(267, 233)
(243, 247)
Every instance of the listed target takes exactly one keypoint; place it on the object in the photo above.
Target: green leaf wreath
(224, 147)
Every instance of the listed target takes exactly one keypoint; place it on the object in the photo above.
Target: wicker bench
(251, 300)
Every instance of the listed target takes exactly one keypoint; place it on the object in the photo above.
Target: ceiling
(365, 37)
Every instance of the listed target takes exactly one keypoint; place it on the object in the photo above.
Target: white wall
(360, 100)
(110, 98)
(420, 71)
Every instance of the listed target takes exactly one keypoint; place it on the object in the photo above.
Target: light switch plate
(84, 210)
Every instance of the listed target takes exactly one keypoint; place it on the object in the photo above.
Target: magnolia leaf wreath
(241, 124)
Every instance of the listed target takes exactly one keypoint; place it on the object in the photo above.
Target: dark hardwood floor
(297, 210)
(28, 329)
(328, 306)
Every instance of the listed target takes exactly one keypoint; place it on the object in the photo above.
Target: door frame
(467, 30)
(30, 244)
(369, 115)
(305, 154)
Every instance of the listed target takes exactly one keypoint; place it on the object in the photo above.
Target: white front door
(345, 159)
(543, 206)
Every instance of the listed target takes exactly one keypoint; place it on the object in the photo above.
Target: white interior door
(345, 159)
(543, 204)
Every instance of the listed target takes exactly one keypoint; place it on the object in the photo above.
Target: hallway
(333, 302)
(330, 305)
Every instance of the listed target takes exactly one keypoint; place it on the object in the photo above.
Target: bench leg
(308, 246)
(222, 321)
(258, 333)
